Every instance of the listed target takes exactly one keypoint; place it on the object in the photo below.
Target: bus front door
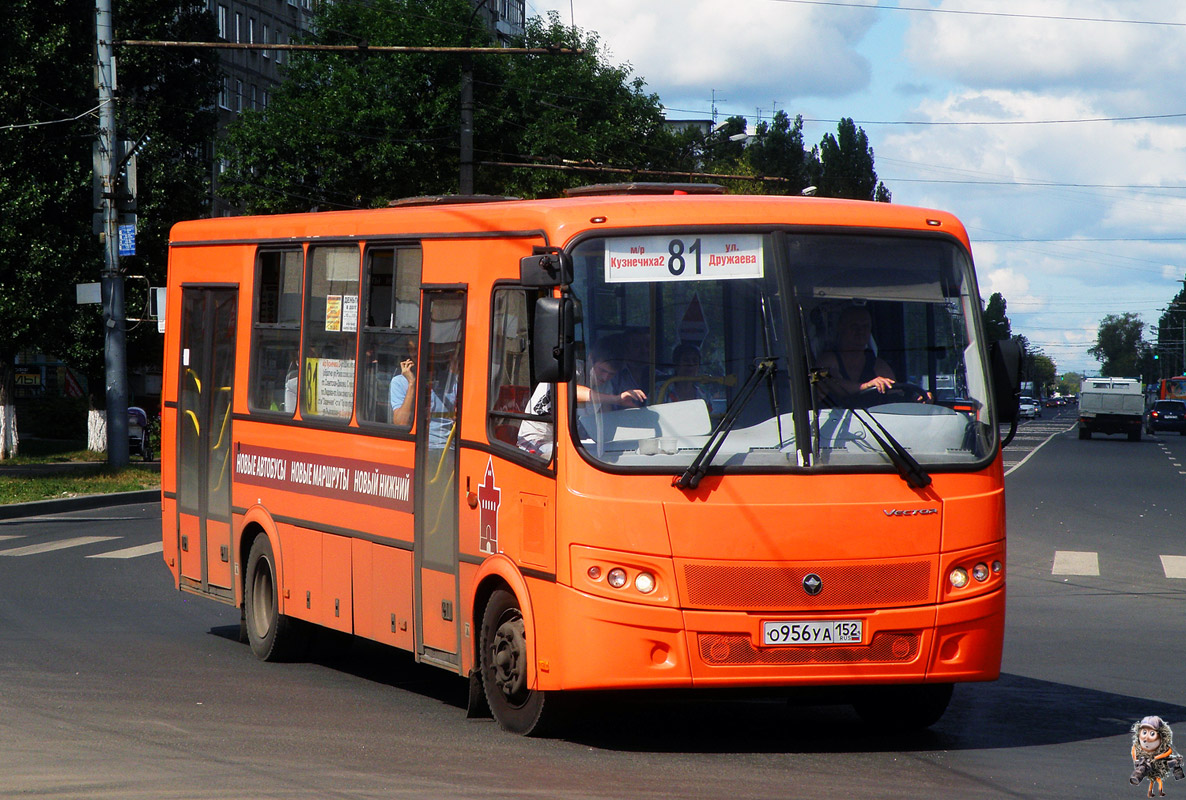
(436, 498)
(206, 374)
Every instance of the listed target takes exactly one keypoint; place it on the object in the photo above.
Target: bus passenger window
(276, 334)
(390, 334)
(331, 325)
(510, 376)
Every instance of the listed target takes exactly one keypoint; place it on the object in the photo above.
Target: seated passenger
(401, 394)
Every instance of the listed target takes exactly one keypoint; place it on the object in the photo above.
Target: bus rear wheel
(272, 635)
(516, 707)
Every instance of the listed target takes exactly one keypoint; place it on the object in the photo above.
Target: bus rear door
(206, 375)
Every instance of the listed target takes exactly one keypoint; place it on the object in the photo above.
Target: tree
(46, 239)
(581, 109)
(777, 151)
(1120, 347)
(1171, 337)
(996, 322)
(1041, 370)
(845, 165)
(1069, 383)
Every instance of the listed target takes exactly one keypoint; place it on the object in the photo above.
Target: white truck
(1111, 405)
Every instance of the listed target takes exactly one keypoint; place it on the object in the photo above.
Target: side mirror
(545, 267)
(552, 355)
(1005, 358)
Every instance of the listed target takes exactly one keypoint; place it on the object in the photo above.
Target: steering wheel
(900, 392)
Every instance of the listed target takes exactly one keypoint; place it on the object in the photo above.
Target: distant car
(1167, 415)
(1028, 408)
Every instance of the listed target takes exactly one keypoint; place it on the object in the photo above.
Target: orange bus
(1172, 388)
(618, 440)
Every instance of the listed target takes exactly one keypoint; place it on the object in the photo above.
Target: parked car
(1167, 415)
(1028, 408)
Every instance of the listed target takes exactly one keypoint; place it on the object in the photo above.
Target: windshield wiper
(690, 479)
(907, 465)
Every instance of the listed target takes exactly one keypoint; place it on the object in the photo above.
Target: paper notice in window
(333, 312)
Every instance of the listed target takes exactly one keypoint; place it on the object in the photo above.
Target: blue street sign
(127, 240)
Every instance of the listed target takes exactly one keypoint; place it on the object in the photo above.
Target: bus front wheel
(272, 635)
(516, 707)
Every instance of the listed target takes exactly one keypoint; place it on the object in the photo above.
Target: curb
(41, 507)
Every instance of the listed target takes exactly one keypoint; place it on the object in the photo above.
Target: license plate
(835, 631)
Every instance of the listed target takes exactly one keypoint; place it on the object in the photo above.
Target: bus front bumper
(588, 642)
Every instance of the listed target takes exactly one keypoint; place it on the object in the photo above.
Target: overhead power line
(1006, 14)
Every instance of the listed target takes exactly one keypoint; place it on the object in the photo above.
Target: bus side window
(331, 325)
(386, 391)
(276, 332)
(510, 368)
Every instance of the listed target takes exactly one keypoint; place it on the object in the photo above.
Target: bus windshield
(865, 345)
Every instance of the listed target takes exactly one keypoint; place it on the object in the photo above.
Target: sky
(1054, 129)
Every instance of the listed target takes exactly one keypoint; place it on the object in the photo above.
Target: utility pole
(114, 335)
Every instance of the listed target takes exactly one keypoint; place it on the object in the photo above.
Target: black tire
(1084, 433)
(903, 708)
(514, 705)
(272, 635)
(1134, 436)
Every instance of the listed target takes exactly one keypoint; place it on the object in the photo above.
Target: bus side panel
(383, 593)
(300, 574)
(169, 537)
(336, 583)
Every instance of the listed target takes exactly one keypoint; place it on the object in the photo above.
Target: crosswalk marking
(1073, 562)
(60, 544)
(1174, 566)
(132, 552)
(9, 536)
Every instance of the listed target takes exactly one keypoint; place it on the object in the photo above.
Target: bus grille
(777, 588)
(728, 649)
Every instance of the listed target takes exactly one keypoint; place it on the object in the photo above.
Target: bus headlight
(616, 577)
(980, 572)
(644, 582)
(958, 577)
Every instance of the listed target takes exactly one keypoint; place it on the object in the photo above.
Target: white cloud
(1017, 52)
(742, 49)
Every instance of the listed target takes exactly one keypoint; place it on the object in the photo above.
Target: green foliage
(845, 165)
(1069, 383)
(350, 130)
(46, 241)
(1120, 347)
(1041, 370)
(579, 109)
(1171, 337)
(996, 322)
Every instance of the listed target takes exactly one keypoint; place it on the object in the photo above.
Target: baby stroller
(138, 433)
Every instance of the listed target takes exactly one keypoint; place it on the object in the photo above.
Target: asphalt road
(113, 685)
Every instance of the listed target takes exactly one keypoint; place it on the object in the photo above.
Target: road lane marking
(10, 536)
(1030, 454)
(61, 544)
(132, 552)
(1174, 566)
(1073, 562)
